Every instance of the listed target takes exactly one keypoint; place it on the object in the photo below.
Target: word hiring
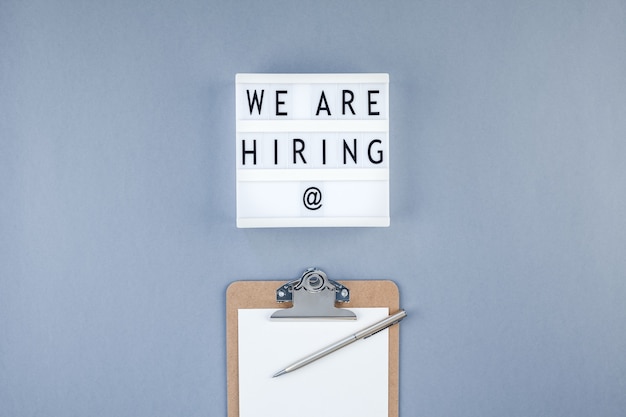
(312, 150)
(355, 102)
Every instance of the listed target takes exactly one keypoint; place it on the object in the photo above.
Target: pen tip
(279, 373)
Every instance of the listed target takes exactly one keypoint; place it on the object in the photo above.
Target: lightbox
(312, 150)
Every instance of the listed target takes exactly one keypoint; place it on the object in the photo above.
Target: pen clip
(391, 321)
(380, 330)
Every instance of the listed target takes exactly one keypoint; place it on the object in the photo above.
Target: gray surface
(117, 204)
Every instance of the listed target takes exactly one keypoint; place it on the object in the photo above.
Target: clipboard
(263, 295)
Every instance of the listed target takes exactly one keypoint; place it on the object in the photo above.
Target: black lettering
(348, 102)
(370, 102)
(298, 150)
(278, 103)
(319, 105)
(275, 151)
(352, 152)
(255, 100)
(247, 152)
(323, 151)
(379, 152)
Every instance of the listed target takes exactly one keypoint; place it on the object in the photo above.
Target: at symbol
(312, 198)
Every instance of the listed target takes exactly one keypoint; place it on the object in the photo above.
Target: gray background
(117, 204)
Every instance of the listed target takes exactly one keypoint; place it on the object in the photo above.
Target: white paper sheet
(352, 381)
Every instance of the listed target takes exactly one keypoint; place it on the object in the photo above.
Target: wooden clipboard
(261, 294)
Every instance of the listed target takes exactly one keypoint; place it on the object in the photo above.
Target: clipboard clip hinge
(313, 296)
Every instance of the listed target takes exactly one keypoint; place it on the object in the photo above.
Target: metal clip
(313, 296)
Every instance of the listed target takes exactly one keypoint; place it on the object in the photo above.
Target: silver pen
(362, 334)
